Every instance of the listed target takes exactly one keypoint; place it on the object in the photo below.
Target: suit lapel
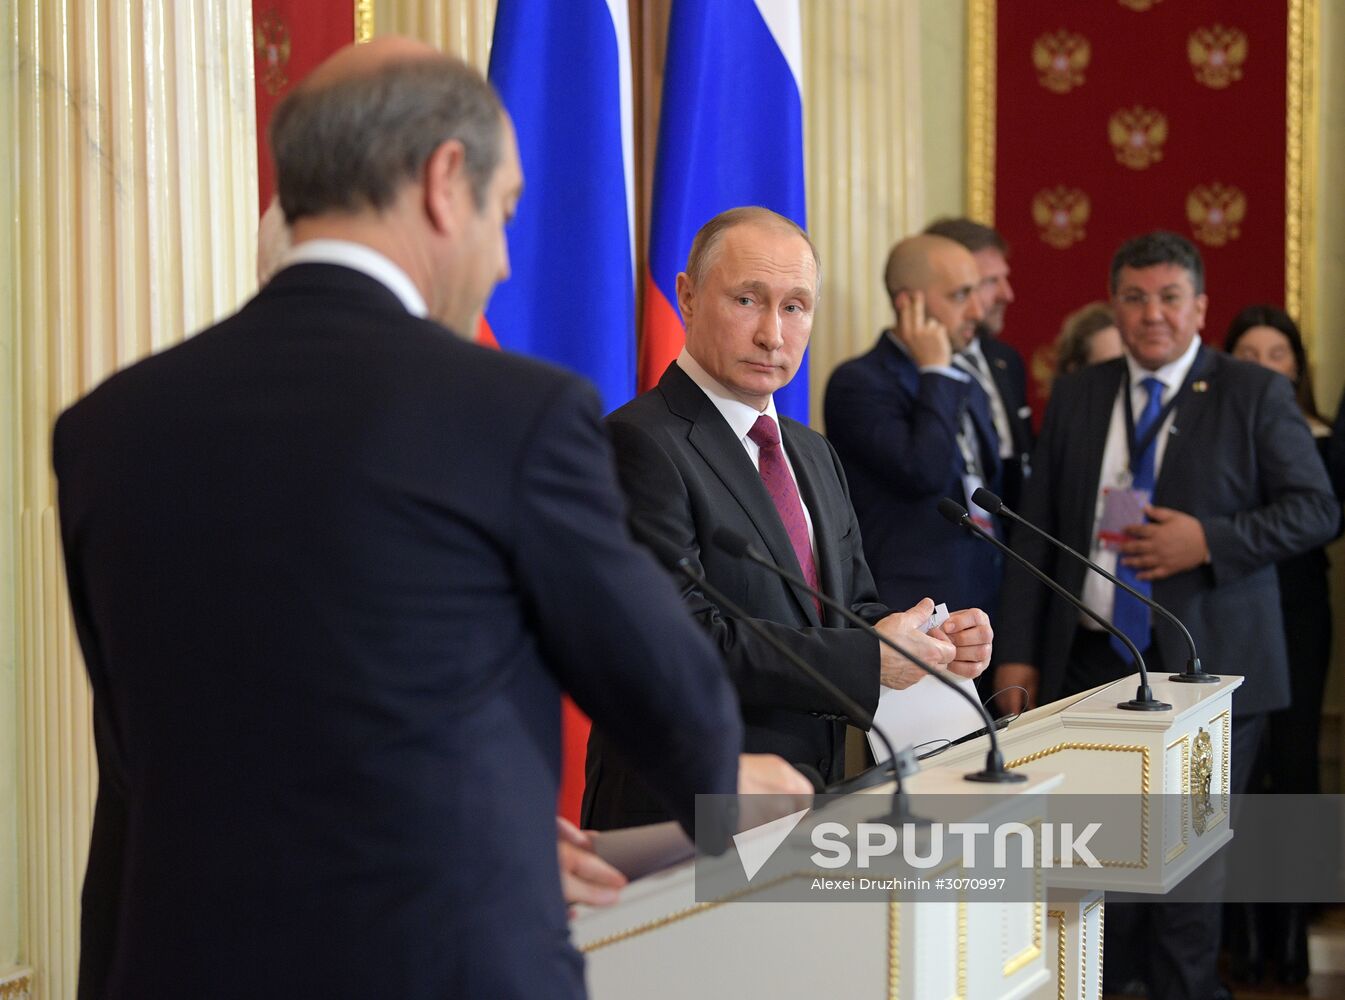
(1186, 422)
(713, 439)
(1097, 417)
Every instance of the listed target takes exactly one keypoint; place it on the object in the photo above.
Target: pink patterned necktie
(785, 494)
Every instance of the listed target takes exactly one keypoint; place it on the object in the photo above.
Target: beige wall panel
(462, 27)
(864, 164)
(9, 623)
(133, 189)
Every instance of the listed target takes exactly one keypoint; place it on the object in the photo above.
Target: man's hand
(584, 877)
(767, 774)
(906, 629)
(971, 635)
(1171, 543)
(925, 337)
(1023, 674)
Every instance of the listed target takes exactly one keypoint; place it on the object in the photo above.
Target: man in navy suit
(912, 427)
(996, 365)
(1232, 484)
(706, 449)
(331, 567)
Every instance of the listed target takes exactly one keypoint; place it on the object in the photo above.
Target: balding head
(943, 275)
(913, 261)
(365, 122)
(363, 59)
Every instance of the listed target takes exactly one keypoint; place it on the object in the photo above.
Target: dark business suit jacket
(331, 568)
(686, 474)
(1241, 460)
(1010, 377)
(895, 430)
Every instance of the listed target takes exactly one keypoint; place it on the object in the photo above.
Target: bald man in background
(911, 428)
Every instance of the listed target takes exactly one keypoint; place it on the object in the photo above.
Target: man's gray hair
(352, 144)
(705, 247)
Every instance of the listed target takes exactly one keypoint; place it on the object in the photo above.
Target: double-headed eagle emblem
(1137, 135)
(1060, 58)
(1215, 211)
(273, 50)
(1060, 214)
(1217, 55)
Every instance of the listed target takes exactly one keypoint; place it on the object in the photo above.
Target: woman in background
(1087, 337)
(1288, 761)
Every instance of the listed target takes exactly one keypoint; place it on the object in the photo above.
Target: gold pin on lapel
(1200, 386)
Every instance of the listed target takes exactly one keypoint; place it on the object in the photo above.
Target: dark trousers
(1172, 947)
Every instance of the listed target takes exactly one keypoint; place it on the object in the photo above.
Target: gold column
(864, 165)
(134, 191)
(462, 27)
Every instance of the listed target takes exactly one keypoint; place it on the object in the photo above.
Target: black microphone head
(952, 511)
(986, 500)
(730, 541)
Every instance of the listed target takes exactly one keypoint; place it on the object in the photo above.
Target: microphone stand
(994, 772)
(1193, 674)
(900, 801)
(1144, 700)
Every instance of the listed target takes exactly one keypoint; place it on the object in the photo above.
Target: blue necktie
(1128, 614)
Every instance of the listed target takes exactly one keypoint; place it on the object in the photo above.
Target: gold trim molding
(18, 988)
(1184, 793)
(1143, 751)
(893, 948)
(1302, 122)
(1060, 944)
(981, 69)
(364, 20)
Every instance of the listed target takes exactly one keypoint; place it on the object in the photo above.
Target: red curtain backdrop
(289, 38)
(1115, 117)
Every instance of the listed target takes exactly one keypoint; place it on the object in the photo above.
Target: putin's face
(749, 318)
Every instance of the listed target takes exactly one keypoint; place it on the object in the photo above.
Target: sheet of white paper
(637, 851)
(927, 712)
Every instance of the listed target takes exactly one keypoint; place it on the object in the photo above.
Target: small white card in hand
(927, 712)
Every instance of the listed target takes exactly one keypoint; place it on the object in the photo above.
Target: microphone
(995, 771)
(1193, 673)
(867, 779)
(1144, 700)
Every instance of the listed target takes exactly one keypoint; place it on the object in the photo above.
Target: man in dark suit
(997, 365)
(910, 428)
(1233, 484)
(705, 449)
(331, 567)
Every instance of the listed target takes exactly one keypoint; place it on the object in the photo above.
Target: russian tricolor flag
(730, 133)
(562, 68)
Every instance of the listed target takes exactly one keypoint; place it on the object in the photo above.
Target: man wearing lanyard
(911, 422)
(997, 364)
(1190, 475)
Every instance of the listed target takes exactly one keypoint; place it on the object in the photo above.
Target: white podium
(660, 942)
(1172, 765)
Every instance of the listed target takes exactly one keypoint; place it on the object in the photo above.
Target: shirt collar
(1172, 374)
(740, 416)
(366, 260)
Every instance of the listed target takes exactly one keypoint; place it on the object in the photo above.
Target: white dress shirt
(741, 418)
(364, 259)
(1098, 594)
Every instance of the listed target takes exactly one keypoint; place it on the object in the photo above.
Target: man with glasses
(1190, 475)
